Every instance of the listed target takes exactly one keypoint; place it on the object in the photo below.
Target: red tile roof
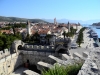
(6, 31)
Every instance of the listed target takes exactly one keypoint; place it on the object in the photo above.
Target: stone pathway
(19, 71)
(88, 42)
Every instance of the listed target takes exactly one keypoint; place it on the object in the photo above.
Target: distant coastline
(96, 24)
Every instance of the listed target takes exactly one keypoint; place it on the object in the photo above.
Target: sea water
(94, 28)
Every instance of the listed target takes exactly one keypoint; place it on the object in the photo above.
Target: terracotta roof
(18, 29)
(56, 30)
(33, 31)
(6, 31)
(43, 31)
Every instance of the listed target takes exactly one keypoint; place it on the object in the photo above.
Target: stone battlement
(4, 53)
(39, 47)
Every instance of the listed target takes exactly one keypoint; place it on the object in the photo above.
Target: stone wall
(91, 65)
(9, 62)
(34, 56)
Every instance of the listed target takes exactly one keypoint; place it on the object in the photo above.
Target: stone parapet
(92, 64)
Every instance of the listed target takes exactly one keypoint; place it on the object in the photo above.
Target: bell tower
(55, 21)
(68, 27)
(28, 28)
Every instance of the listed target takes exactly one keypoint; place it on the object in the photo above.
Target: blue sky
(48, 9)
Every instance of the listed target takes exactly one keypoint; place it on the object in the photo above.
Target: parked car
(74, 46)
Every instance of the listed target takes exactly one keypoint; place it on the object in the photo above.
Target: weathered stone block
(77, 55)
(29, 72)
(43, 64)
(65, 57)
(85, 54)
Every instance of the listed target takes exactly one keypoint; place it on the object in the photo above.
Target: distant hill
(12, 19)
(96, 24)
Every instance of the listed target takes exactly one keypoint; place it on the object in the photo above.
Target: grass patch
(63, 70)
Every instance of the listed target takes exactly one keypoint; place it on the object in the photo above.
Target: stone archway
(19, 47)
(61, 49)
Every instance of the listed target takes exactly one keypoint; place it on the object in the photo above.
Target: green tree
(36, 36)
(27, 39)
(48, 36)
(80, 36)
(6, 40)
(18, 35)
(1, 44)
(64, 34)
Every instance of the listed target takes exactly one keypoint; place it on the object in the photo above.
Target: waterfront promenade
(88, 40)
(87, 45)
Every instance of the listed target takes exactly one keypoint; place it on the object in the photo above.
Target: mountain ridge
(12, 19)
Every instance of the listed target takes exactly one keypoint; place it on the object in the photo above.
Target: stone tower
(28, 28)
(55, 21)
(68, 26)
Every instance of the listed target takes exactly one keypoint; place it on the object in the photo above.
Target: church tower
(28, 28)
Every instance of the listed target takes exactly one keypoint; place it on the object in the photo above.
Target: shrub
(63, 70)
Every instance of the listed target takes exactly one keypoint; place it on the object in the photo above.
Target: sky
(49, 9)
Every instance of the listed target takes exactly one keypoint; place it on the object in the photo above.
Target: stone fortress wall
(9, 62)
(91, 65)
(35, 56)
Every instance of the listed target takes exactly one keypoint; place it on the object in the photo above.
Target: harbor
(95, 34)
